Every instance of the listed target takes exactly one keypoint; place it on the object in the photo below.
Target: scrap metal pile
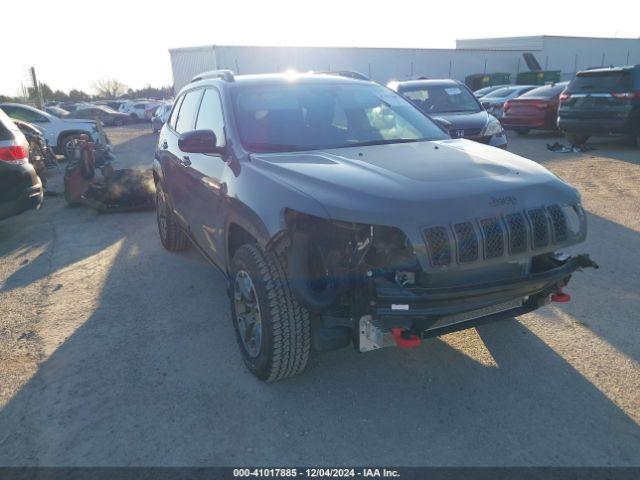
(116, 190)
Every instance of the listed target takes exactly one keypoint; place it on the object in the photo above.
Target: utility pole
(36, 88)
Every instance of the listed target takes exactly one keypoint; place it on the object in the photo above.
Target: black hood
(464, 120)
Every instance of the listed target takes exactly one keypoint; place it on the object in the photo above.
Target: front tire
(171, 235)
(272, 328)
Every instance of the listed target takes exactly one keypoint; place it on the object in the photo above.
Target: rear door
(166, 151)
(177, 161)
(599, 95)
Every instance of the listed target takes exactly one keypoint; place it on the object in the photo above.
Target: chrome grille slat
(438, 246)
(493, 237)
(467, 242)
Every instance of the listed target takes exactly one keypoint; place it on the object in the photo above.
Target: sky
(72, 43)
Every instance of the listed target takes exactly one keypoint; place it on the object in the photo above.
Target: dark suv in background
(601, 102)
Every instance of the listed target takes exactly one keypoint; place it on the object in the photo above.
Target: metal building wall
(567, 54)
(187, 62)
(381, 64)
(573, 54)
(384, 64)
(507, 43)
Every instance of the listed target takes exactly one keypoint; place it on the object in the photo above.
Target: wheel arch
(65, 133)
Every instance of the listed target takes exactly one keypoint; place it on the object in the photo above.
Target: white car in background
(138, 110)
(160, 117)
(58, 132)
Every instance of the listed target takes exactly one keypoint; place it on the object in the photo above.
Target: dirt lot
(115, 352)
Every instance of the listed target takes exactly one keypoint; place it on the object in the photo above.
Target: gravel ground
(115, 352)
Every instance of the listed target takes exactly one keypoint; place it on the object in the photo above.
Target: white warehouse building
(471, 56)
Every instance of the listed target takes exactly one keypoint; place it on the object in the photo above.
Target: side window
(174, 113)
(24, 114)
(210, 115)
(188, 111)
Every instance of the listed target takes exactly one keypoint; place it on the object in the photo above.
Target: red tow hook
(560, 296)
(411, 341)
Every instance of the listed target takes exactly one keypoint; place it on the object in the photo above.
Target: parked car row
(596, 102)
(58, 132)
(110, 112)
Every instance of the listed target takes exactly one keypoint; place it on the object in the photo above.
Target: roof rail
(226, 75)
(345, 73)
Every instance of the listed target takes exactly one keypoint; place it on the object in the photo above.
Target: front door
(177, 162)
(205, 176)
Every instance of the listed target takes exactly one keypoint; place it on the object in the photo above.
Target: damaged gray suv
(340, 214)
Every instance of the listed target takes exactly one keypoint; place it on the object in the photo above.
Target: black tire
(285, 338)
(522, 131)
(171, 235)
(577, 140)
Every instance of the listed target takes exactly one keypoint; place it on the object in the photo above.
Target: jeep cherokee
(341, 214)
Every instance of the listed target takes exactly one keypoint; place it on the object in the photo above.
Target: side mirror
(199, 141)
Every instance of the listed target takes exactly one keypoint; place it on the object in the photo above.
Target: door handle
(185, 162)
(164, 145)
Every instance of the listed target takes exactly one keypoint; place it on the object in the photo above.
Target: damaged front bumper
(422, 312)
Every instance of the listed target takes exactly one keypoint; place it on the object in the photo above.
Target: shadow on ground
(154, 377)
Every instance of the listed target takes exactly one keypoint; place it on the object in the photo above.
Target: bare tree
(109, 87)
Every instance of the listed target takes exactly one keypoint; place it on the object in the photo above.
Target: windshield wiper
(386, 142)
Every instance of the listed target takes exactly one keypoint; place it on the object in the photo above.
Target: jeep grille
(559, 223)
(493, 237)
(512, 234)
(517, 227)
(467, 242)
(540, 227)
(438, 245)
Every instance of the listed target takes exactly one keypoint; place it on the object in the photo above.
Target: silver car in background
(494, 101)
(160, 116)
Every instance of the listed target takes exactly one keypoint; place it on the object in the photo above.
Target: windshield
(442, 98)
(298, 117)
